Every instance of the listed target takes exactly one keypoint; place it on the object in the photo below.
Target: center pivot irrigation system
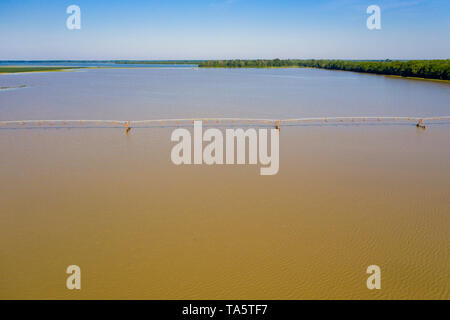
(128, 124)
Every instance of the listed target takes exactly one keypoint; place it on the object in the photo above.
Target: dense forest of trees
(431, 69)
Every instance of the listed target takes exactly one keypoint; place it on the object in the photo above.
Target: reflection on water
(140, 227)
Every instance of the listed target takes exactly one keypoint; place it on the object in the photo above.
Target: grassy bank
(10, 69)
(427, 69)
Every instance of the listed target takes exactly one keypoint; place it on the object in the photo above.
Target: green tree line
(13, 69)
(430, 69)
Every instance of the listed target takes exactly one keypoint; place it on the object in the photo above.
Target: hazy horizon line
(158, 60)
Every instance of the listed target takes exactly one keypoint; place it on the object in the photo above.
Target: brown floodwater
(346, 197)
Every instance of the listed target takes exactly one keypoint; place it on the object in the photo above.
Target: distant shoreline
(426, 69)
(434, 70)
(16, 69)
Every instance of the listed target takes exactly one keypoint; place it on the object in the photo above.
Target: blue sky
(224, 29)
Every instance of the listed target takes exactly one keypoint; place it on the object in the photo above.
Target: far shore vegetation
(425, 69)
(12, 69)
(428, 69)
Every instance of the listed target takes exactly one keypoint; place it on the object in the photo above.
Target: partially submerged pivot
(127, 127)
(420, 124)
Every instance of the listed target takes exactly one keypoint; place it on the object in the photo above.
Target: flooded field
(346, 195)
